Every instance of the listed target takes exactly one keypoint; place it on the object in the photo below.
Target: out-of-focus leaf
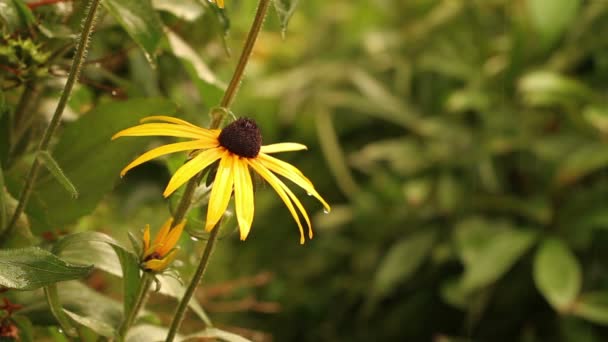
(551, 18)
(141, 21)
(597, 116)
(130, 276)
(15, 13)
(173, 288)
(188, 10)
(26, 329)
(149, 333)
(557, 274)
(592, 307)
(221, 335)
(90, 248)
(100, 327)
(582, 162)
(401, 261)
(91, 160)
(547, 88)
(32, 268)
(209, 86)
(489, 249)
(285, 9)
(53, 167)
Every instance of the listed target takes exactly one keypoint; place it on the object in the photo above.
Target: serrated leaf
(593, 307)
(91, 160)
(141, 21)
(53, 167)
(31, 268)
(401, 261)
(131, 278)
(557, 274)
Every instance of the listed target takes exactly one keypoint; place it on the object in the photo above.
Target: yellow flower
(238, 147)
(158, 255)
(220, 3)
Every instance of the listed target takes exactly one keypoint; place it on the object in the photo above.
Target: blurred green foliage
(461, 143)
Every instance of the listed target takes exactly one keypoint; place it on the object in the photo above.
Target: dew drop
(193, 238)
(114, 93)
(60, 330)
(325, 211)
(309, 194)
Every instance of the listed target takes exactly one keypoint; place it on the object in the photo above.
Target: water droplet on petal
(309, 194)
(325, 211)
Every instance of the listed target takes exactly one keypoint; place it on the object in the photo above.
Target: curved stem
(52, 298)
(81, 49)
(142, 296)
(198, 275)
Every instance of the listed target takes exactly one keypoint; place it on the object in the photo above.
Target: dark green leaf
(557, 274)
(51, 164)
(141, 21)
(31, 268)
(131, 278)
(91, 160)
(90, 248)
(592, 307)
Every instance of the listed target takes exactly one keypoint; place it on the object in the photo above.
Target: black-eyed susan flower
(238, 147)
(159, 254)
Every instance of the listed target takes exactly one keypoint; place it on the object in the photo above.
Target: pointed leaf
(31, 268)
(557, 274)
(130, 276)
(51, 164)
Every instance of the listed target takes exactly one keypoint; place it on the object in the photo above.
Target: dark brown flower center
(242, 137)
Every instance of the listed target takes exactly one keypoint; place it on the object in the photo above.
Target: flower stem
(226, 102)
(81, 49)
(142, 296)
(52, 298)
(198, 275)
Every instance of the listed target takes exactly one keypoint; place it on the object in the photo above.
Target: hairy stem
(142, 296)
(81, 50)
(226, 102)
(52, 298)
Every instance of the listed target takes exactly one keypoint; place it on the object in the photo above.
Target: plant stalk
(81, 50)
(142, 297)
(52, 298)
(226, 102)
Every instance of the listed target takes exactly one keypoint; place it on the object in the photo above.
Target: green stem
(226, 102)
(198, 275)
(142, 297)
(81, 49)
(52, 298)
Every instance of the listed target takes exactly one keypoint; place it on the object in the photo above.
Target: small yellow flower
(238, 147)
(158, 255)
(220, 3)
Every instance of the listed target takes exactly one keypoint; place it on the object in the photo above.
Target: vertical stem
(81, 49)
(198, 275)
(226, 102)
(52, 298)
(142, 296)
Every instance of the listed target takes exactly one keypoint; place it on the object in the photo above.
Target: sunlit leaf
(593, 307)
(552, 17)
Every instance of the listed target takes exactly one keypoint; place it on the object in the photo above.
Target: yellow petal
(220, 3)
(158, 265)
(243, 196)
(276, 185)
(161, 236)
(300, 207)
(169, 119)
(170, 148)
(146, 238)
(171, 239)
(191, 168)
(221, 190)
(282, 147)
(293, 174)
(163, 129)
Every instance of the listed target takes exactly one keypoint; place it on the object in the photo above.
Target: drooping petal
(161, 236)
(160, 264)
(163, 129)
(300, 207)
(282, 147)
(221, 190)
(243, 196)
(171, 239)
(170, 148)
(146, 238)
(275, 182)
(293, 174)
(191, 168)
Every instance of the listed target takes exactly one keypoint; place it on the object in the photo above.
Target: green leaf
(91, 160)
(98, 326)
(141, 21)
(149, 333)
(15, 14)
(551, 18)
(583, 161)
(557, 274)
(593, 307)
(209, 86)
(31, 268)
(489, 249)
(51, 164)
(130, 276)
(401, 261)
(188, 10)
(548, 88)
(90, 248)
(285, 10)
